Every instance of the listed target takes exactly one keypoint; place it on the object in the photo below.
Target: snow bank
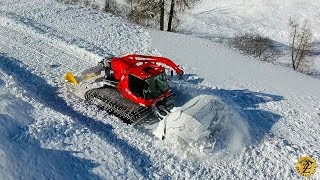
(197, 122)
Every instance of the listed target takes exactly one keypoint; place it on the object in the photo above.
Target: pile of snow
(194, 124)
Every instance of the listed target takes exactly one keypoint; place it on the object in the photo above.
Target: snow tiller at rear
(131, 87)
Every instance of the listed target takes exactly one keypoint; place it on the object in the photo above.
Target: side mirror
(180, 75)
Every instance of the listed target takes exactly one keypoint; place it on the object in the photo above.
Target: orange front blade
(70, 78)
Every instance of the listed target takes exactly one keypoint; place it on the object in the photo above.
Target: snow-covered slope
(222, 20)
(227, 18)
(48, 133)
(280, 106)
(21, 156)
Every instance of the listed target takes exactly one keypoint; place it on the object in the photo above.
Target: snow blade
(70, 78)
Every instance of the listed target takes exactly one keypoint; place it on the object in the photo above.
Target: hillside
(49, 133)
(227, 18)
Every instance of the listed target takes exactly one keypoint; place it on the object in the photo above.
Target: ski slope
(228, 18)
(48, 133)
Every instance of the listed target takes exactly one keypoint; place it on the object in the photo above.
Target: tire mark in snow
(51, 32)
(55, 42)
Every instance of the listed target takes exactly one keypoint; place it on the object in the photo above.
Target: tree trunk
(293, 48)
(299, 50)
(162, 15)
(171, 14)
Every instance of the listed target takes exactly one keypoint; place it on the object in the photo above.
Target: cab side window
(137, 85)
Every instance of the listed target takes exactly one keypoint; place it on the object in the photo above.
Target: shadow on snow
(246, 102)
(44, 29)
(30, 161)
(40, 90)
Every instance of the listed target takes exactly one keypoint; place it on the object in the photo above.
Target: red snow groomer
(131, 86)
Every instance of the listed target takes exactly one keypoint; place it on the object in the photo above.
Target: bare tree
(68, 1)
(148, 11)
(162, 10)
(178, 6)
(110, 6)
(143, 11)
(301, 46)
(171, 14)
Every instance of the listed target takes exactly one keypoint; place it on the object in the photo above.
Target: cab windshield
(157, 85)
(150, 88)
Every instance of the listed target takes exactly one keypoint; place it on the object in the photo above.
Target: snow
(270, 98)
(49, 133)
(222, 20)
(241, 69)
(196, 123)
(22, 157)
(227, 18)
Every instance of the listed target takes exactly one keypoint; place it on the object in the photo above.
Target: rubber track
(112, 101)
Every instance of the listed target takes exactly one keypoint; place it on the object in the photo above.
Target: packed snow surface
(49, 133)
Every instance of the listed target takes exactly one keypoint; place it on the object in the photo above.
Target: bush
(68, 1)
(257, 46)
(143, 12)
(111, 7)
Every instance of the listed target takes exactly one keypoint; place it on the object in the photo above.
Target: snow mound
(195, 123)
